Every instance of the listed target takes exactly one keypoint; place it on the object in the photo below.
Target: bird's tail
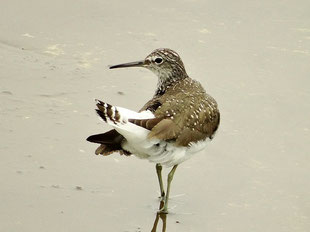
(108, 113)
(110, 142)
(119, 118)
(123, 120)
(129, 127)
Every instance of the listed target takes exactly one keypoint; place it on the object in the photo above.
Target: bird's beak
(130, 64)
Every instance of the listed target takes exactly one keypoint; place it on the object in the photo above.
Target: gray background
(252, 56)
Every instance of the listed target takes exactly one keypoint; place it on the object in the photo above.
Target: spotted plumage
(171, 127)
(188, 113)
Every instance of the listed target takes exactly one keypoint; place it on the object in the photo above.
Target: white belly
(156, 151)
(163, 152)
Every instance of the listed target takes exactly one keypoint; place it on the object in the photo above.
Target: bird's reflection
(162, 216)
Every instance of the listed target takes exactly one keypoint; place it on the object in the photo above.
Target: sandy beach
(252, 57)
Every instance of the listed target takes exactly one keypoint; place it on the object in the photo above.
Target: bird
(179, 120)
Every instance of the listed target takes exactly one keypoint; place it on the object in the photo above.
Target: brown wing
(146, 123)
(185, 113)
(174, 122)
(166, 129)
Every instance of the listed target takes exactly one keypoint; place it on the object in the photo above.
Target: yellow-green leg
(160, 180)
(170, 177)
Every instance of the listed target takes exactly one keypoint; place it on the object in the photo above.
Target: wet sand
(252, 57)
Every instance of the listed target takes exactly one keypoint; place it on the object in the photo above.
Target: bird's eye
(158, 60)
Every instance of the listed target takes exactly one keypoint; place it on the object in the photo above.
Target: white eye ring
(158, 60)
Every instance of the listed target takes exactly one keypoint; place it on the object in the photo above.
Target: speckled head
(164, 62)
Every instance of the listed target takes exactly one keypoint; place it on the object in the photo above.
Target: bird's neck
(166, 81)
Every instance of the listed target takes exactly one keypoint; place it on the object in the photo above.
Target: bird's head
(164, 62)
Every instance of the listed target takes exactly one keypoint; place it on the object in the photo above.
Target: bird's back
(188, 114)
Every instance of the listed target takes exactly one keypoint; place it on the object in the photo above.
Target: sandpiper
(175, 124)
